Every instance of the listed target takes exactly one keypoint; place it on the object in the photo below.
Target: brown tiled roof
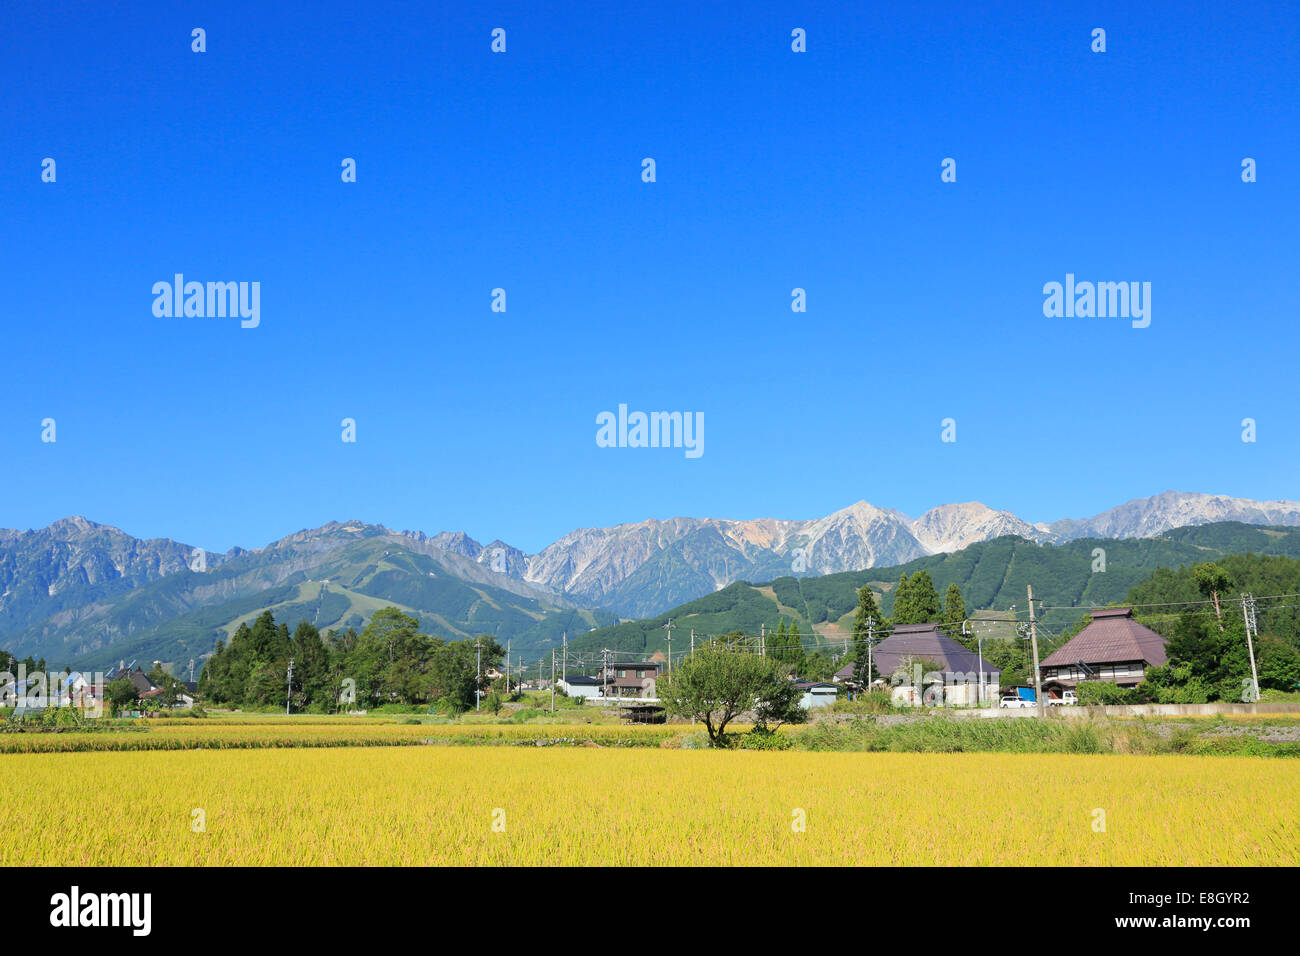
(1112, 636)
(921, 641)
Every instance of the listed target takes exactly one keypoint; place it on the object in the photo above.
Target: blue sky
(522, 170)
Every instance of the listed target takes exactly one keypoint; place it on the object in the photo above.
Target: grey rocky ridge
(645, 568)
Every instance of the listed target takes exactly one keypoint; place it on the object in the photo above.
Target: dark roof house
(136, 676)
(922, 642)
(1113, 647)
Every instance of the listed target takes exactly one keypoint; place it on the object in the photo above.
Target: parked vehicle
(1065, 700)
(1015, 702)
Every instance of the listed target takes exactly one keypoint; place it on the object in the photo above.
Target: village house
(579, 685)
(72, 689)
(958, 671)
(636, 679)
(1113, 647)
(816, 693)
(184, 697)
(139, 680)
(146, 690)
(75, 690)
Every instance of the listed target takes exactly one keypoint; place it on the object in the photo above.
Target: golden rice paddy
(239, 735)
(619, 806)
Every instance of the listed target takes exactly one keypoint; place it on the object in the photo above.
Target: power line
(1062, 607)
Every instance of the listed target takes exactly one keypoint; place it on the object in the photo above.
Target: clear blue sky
(775, 170)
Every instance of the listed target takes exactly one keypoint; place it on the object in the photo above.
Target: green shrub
(525, 714)
(861, 734)
(873, 702)
(1272, 695)
(399, 709)
(451, 706)
(1085, 737)
(1093, 692)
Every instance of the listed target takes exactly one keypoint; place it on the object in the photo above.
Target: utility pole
(1033, 639)
(552, 680)
(762, 639)
(979, 698)
(507, 667)
(478, 673)
(564, 663)
(871, 639)
(669, 628)
(288, 693)
(692, 642)
(191, 670)
(1248, 612)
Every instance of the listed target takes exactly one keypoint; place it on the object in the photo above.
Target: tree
(215, 674)
(903, 598)
(1202, 655)
(776, 642)
(1173, 684)
(819, 666)
(916, 601)
(389, 661)
(1279, 664)
(716, 685)
(268, 641)
(392, 659)
(311, 667)
(454, 672)
(171, 687)
(786, 646)
(954, 614)
(1212, 581)
(779, 706)
(121, 693)
(1010, 657)
(867, 620)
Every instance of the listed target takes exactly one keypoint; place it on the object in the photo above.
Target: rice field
(295, 733)
(921, 734)
(613, 806)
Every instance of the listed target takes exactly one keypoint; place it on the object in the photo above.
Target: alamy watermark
(40, 690)
(128, 910)
(215, 300)
(651, 430)
(1103, 300)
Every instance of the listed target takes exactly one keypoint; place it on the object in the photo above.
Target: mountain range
(86, 593)
(643, 569)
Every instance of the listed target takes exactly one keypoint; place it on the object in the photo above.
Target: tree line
(389, 662)
(1209, 656)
